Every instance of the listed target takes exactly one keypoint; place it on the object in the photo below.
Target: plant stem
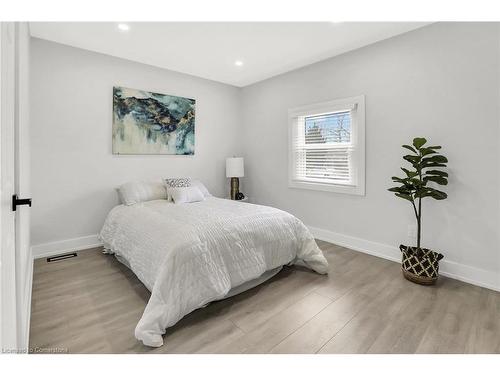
(419, 216)
(415, 209)
(419, 222)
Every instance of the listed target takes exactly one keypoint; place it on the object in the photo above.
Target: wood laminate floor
(91, 304)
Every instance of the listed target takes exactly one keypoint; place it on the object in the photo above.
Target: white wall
(440, 82)
(73, 170)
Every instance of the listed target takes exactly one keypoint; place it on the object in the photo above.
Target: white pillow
(176, 182)
(186, 194)
(140, 191)
(202, 187)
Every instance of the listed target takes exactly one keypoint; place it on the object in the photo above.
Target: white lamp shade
(235, 167)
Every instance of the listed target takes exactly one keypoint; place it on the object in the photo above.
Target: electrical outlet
(412, 231)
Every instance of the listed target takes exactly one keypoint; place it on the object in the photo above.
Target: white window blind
(323, 148)
(327, 146)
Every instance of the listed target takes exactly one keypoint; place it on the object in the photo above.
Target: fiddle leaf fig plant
(419, 180)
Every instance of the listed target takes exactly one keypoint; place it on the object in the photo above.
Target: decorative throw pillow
(202, 188)
(141, 191)
(176, 182)
(186, 194)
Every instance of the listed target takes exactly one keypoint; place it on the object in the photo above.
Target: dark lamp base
(235, 187)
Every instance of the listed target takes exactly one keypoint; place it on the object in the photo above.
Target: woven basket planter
(421, 267)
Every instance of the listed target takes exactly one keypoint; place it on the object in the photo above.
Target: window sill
(343, 189)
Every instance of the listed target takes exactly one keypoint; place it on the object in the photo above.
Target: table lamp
(234, 170)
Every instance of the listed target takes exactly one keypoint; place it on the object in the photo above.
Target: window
(327, 146)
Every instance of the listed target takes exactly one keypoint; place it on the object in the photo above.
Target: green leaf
(416, 181)
(409, 173)
(398, 189)
(431, 192)
(435, 159)
(437, 179)
(412, 159)
(406, 185)
(410, 148)
(432, 165)
(401, 189)
(439, 195)
(434, 147)
(437, 173)
(426, 151)
(419, 142)
(423, 193)
(398, 179)
(405, 196)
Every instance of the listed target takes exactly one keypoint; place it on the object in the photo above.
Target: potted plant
(419, 264)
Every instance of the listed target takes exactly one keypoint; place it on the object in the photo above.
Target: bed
(189, 255)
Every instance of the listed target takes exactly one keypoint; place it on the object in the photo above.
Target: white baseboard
(462, 272)
(64, 246)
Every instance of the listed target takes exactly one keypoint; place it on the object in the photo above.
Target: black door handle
(18, 202)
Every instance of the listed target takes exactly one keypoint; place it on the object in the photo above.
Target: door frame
(9, 327)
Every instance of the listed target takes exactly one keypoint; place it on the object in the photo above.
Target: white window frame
(357, 186)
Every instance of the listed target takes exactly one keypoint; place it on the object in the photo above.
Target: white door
(24, 260)
(16, 261)
(8, 300)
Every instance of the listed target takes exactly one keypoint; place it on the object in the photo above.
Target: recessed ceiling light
(238, 63)
(123, 27)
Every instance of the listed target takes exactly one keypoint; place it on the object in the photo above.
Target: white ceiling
(209, 50)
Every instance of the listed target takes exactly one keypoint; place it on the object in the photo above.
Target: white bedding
(190, 254)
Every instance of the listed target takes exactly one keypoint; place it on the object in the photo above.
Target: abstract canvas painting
(150, 123)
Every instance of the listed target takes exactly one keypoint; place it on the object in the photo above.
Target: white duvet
(190, 254)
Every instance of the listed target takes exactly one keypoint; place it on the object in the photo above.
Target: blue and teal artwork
(150, 123)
